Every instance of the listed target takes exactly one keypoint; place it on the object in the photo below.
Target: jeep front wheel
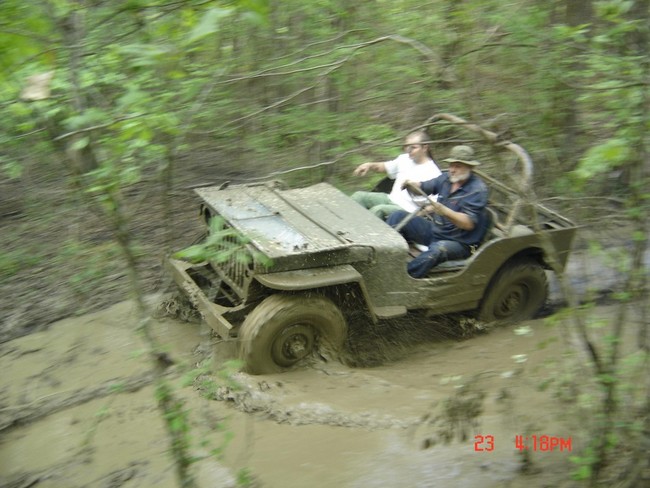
(284, 329)
(517, 292)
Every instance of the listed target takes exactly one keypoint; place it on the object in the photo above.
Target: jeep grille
(233, 274)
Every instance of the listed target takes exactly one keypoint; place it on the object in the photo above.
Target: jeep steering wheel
(405, 220)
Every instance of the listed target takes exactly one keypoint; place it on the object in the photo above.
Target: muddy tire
(284, 329)
(517, 292)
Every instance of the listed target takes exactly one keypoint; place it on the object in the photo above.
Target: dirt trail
(77, 409)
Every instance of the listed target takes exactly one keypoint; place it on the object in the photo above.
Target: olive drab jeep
(331, 257)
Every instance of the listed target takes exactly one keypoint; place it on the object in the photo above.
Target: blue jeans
(421, 231)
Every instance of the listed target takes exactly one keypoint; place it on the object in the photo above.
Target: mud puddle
(77, 409)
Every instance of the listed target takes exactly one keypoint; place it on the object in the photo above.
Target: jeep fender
(311, 278)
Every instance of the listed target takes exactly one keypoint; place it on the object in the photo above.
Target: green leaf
(146, 55)
(607, 379)
(19, 109)
(209, 24)
(12, 169)
(90, 117)
(602, 158)
(130, 175)
(623, 296)
(582, 473)
(80, 143)
(134, 97)
(260, 7)
(193, 254)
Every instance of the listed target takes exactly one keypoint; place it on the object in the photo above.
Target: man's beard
(459, 178)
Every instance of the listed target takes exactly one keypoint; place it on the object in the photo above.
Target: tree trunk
(576, 12)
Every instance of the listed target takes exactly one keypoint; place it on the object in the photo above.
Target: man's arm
(459, 219)
(424, 188)
(364, 168)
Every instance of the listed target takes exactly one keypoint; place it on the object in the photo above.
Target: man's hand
(362, 169)
(437, 208)
(433, 207)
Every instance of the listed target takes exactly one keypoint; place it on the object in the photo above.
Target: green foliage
(117, 388)
(603, 158)
(176, 417)
(11, 262)
(207, 67)
(208, 384)
(223, 244)
(111, 177)
(584, 463)
(245, 478)
(209, 24)
(613, 10)
(209, 387)
(190, 376)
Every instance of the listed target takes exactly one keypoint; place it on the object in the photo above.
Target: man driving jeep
(456, 222)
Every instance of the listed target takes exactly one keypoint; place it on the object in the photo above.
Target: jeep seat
(385, 185)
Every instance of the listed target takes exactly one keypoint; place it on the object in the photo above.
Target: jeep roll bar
(525, 183)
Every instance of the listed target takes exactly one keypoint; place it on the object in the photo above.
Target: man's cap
(462, 154)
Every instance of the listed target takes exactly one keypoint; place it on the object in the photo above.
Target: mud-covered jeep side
(332, 258)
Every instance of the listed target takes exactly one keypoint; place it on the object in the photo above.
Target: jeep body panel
(301, 228)
(311, 234)
(306, 279)
(461, 288)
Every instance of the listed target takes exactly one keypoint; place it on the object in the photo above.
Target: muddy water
(77, 409)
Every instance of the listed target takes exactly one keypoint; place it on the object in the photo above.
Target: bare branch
(95, 127)
(418, 46)
(493, 44)
(36, 131)
(269, 107)
(619, 201)
(28, 34)
(314, 44)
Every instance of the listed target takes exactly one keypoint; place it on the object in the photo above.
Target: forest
(114, 111)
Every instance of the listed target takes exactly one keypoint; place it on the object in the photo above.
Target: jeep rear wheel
(284, 329)
(517, 292)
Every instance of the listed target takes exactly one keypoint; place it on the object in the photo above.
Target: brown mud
(77, 409)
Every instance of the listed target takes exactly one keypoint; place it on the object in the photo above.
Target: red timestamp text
(484, 443)
(542, 443)
(537, 443)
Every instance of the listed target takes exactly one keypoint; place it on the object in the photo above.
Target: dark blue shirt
(470, 199)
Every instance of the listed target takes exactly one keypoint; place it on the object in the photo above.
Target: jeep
(331, 258)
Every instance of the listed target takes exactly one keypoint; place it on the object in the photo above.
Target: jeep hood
(306, 221)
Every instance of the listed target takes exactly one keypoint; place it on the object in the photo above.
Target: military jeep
(331, 258)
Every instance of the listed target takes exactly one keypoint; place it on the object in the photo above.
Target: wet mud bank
(78, 409)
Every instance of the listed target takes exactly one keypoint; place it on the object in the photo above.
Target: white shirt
(404, 168)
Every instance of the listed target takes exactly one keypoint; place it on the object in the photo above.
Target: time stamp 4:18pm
(541, 443)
